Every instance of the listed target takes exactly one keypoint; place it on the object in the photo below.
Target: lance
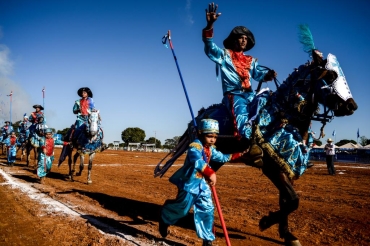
(43, 98)
(213, 188)
(10, 95)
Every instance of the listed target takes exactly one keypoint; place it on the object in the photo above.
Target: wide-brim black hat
(7, 121)
(38, 106)
(87, 89)
(236, 33)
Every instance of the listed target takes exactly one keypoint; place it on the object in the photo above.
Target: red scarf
(242, 63)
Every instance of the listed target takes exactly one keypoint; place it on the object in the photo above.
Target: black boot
(254, 156)
(163, 228)
(207, 243)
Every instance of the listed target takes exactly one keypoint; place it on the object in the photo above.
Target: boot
(207, 243)
(254, 156)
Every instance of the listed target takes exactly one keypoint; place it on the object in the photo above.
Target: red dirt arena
(122, 205)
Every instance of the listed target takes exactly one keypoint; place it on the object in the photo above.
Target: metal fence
(343, 155)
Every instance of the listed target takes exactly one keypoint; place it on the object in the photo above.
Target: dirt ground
(122, 205)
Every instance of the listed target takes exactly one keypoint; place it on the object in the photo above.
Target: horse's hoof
(293, 243)
(267, 221)
(291, 240)
(89, 182)
(264, 223)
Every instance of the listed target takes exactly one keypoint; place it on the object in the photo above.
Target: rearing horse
(86, 140)
(280, 127)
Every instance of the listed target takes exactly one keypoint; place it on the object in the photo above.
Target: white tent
(366, 146)
(348, 146)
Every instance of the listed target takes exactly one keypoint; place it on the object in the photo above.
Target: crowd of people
(33, 132)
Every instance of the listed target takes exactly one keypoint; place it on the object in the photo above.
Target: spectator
(330, 152)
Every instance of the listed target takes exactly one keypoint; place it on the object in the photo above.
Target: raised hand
(211, 14)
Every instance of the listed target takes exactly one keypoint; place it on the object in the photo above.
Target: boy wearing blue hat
(45, 149)
(11, 143)
(191, 180)
(237, 71)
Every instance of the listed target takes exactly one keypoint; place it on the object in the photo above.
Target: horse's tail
(180, 148)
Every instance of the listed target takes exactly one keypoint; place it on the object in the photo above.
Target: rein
(277, 83)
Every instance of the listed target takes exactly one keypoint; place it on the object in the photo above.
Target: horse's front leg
(91, 158)
(71, 169)
(288, 201)
(81, 163)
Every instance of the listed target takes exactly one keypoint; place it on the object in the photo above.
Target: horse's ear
(317, 57)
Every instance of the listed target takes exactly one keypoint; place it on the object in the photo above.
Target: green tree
(63, 132)
(133, 135)
(171, 142)
(153, 140)
(363, 140)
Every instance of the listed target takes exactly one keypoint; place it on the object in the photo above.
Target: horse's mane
(202, 110)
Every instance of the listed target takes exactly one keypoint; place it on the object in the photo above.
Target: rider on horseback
(23, 128)
(6, 130)
(237, 69)
(83, 107)
(33, 118)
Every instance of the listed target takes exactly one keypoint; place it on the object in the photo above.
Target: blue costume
(83, 108)
(24, 129)
(11, 143)
(34, 116)
(45, 149)
(237, 70)
(6, 130)
(193, 190)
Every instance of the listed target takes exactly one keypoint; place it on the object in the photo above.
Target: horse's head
(94, 123)
(332, 90)
(320, 81)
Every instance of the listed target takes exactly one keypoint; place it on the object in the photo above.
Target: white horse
(87, 140)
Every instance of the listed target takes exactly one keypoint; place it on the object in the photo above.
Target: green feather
(305, 38)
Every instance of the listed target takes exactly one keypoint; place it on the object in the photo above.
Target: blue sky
(114, 47)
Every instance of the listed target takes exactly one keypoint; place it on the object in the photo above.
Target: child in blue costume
(45, 149)
(237, 71)
(191, 180)
(11, 143)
